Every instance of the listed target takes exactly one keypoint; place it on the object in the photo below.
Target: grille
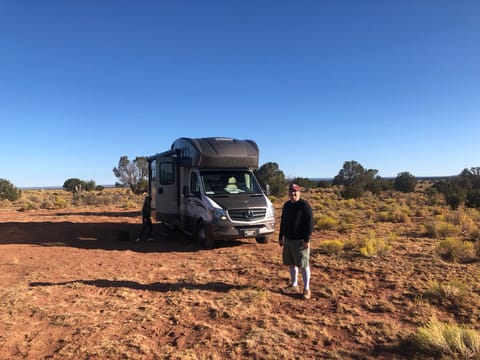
(247, 214)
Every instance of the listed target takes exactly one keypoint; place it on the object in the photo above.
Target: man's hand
(280, 242)
(305, 244)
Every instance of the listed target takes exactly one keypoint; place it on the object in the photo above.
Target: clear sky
(393, 85)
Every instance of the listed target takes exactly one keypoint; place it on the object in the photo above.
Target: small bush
(130, 205)
(331, 246)
(449, 293)
(5, 204)
(371, 246)
(324, 222)
(346, 227)
(28, 205)
(60, 202)
(420, 212)
(465, 224)
(395, 214)
(441, 229)
(454, 249)
(438, 339)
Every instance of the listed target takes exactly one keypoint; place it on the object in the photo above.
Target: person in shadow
(147, 226)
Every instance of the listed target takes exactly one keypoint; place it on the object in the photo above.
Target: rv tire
(263, 239)
(202, 236)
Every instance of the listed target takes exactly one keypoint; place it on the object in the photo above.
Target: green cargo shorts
(294, 253)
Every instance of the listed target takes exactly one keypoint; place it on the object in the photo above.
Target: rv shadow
(93, 236)
(132, 214)
(102, 236)
(216, 286)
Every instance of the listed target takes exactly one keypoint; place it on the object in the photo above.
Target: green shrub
(395, 214)
(465, 224)
(371, 246)
(8, 191)
(130, 205)
(5, 204)
(351, 243)
(405, 182)
(324, 222)
(330, 246)
(454, 249)
(473, 198)
(441, 229)
(28, 205)
(60, 202)
(454, 341)
(452, 292)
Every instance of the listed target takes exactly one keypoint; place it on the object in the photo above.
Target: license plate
(249, 233)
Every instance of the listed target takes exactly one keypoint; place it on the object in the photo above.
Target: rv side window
(194, 185)
(153, 169)
(167, 175)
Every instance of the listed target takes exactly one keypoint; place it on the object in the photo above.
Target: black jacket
(296, 221)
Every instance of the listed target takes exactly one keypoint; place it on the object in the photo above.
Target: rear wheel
(202, 236)
(263, 239)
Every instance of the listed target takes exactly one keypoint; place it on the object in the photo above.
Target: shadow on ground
(100, 236)
(157, 286)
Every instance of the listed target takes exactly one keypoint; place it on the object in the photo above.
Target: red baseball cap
(294, 187)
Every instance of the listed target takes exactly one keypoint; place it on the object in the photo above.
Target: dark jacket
(296, 221)
(146, 209)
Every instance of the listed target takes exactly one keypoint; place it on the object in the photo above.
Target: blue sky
(393, 85)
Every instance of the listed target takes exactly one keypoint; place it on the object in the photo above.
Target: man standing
(146, 220)
(296, 227)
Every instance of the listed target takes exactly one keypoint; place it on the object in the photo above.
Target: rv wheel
(263, 239)
(202, 236)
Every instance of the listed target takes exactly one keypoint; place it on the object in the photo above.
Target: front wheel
(263, 239)
(202, 236)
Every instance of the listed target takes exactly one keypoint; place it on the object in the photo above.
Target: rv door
(166, 191)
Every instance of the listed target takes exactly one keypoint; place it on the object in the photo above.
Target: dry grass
(61, 199)
(67, 297)
(441, 339)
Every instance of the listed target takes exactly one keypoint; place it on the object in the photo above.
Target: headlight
(270, 210)
(220, 214)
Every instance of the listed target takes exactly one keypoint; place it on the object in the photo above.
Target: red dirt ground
(70, 289)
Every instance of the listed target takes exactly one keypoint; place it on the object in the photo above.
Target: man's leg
(306, 278)
(294, 276)
(150, 229)
(142, 230)
(306, 282)
(289, 260)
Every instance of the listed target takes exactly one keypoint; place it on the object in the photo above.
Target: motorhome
(206, 188)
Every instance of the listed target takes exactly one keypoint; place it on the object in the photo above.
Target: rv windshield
(217, 182)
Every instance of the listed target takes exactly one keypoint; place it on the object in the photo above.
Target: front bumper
(226, 230)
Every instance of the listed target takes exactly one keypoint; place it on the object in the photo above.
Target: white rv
(206, 188)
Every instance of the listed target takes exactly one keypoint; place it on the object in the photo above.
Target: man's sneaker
(138, 240)
(290, 289)
(307, 294)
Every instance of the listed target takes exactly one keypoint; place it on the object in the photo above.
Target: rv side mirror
(267, 189)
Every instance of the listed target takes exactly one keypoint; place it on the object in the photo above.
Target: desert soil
(70, 288)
